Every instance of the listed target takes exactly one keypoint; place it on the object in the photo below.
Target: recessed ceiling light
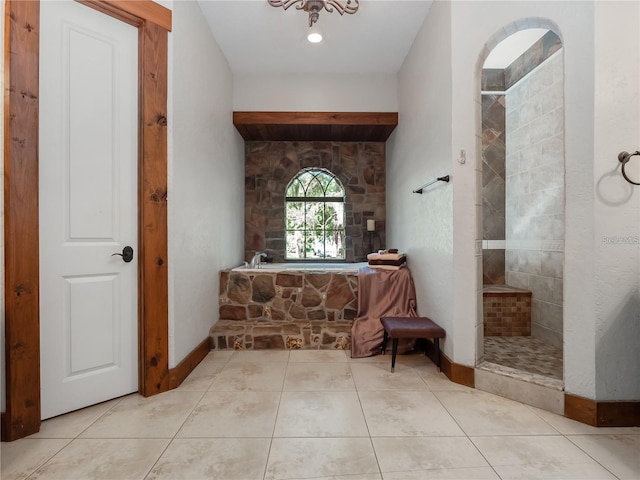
(314, 37)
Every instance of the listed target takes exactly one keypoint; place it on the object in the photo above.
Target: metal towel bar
(439, 179)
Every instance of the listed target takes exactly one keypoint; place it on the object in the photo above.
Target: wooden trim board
(153, 303)
(316, 118)
(602, 414)
(133, 12)
(21, 256)
(457, 373)
(315, 126)
(181, 371)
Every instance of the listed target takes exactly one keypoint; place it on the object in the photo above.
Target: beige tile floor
(319, 415)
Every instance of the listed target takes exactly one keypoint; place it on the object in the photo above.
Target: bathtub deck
(292, 308)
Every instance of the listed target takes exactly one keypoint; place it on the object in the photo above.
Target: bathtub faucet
(255, 261)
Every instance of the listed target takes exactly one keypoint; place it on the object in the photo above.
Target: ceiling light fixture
(314, 37)
(313, 7)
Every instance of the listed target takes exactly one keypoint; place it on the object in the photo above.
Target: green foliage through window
(314, 216)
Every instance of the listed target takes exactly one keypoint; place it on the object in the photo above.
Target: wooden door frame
(21, 235)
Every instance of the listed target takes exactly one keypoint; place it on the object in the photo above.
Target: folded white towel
(386, 256)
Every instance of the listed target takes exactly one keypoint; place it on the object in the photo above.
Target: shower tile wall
(535, 194)
(269, 166)
(493, 186)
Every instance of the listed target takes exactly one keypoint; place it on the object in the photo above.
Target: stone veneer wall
(269, 166)
(293, 310)
(535, 194)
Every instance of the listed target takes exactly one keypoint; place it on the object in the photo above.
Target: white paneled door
(88, 207)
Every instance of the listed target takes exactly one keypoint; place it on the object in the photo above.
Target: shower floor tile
(524, 353)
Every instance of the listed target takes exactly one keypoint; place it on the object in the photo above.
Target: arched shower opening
(522, 100)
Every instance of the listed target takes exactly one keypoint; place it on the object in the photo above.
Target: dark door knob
(127, 254)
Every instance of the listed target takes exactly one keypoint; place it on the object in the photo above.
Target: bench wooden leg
(437, 343)
(384, 343)
(394, 351)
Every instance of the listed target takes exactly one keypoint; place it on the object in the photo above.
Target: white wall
(617, 203)
(315, 93)
(418, 152)
(206, 179)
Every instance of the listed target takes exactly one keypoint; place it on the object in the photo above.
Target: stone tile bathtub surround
(292, 310)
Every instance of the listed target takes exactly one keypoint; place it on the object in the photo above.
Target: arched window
(314, 215)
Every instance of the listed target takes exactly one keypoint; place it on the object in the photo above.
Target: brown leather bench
(410, 327)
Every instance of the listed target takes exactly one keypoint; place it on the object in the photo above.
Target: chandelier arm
(285, 4)
(348, 8)
(313, 7)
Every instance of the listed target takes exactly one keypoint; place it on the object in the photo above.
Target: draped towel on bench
(381, 293)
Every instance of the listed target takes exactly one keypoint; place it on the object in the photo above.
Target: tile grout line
(589, 455)
(366, 422)
(171, 440)
(72, 439)
(275, 421)
(466, 435)
(44, 462)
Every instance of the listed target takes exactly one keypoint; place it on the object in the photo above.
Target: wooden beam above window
(316, 126)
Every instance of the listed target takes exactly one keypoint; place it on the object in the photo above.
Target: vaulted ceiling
(258, 38)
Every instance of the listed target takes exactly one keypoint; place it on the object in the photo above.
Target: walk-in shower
(523, 208)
